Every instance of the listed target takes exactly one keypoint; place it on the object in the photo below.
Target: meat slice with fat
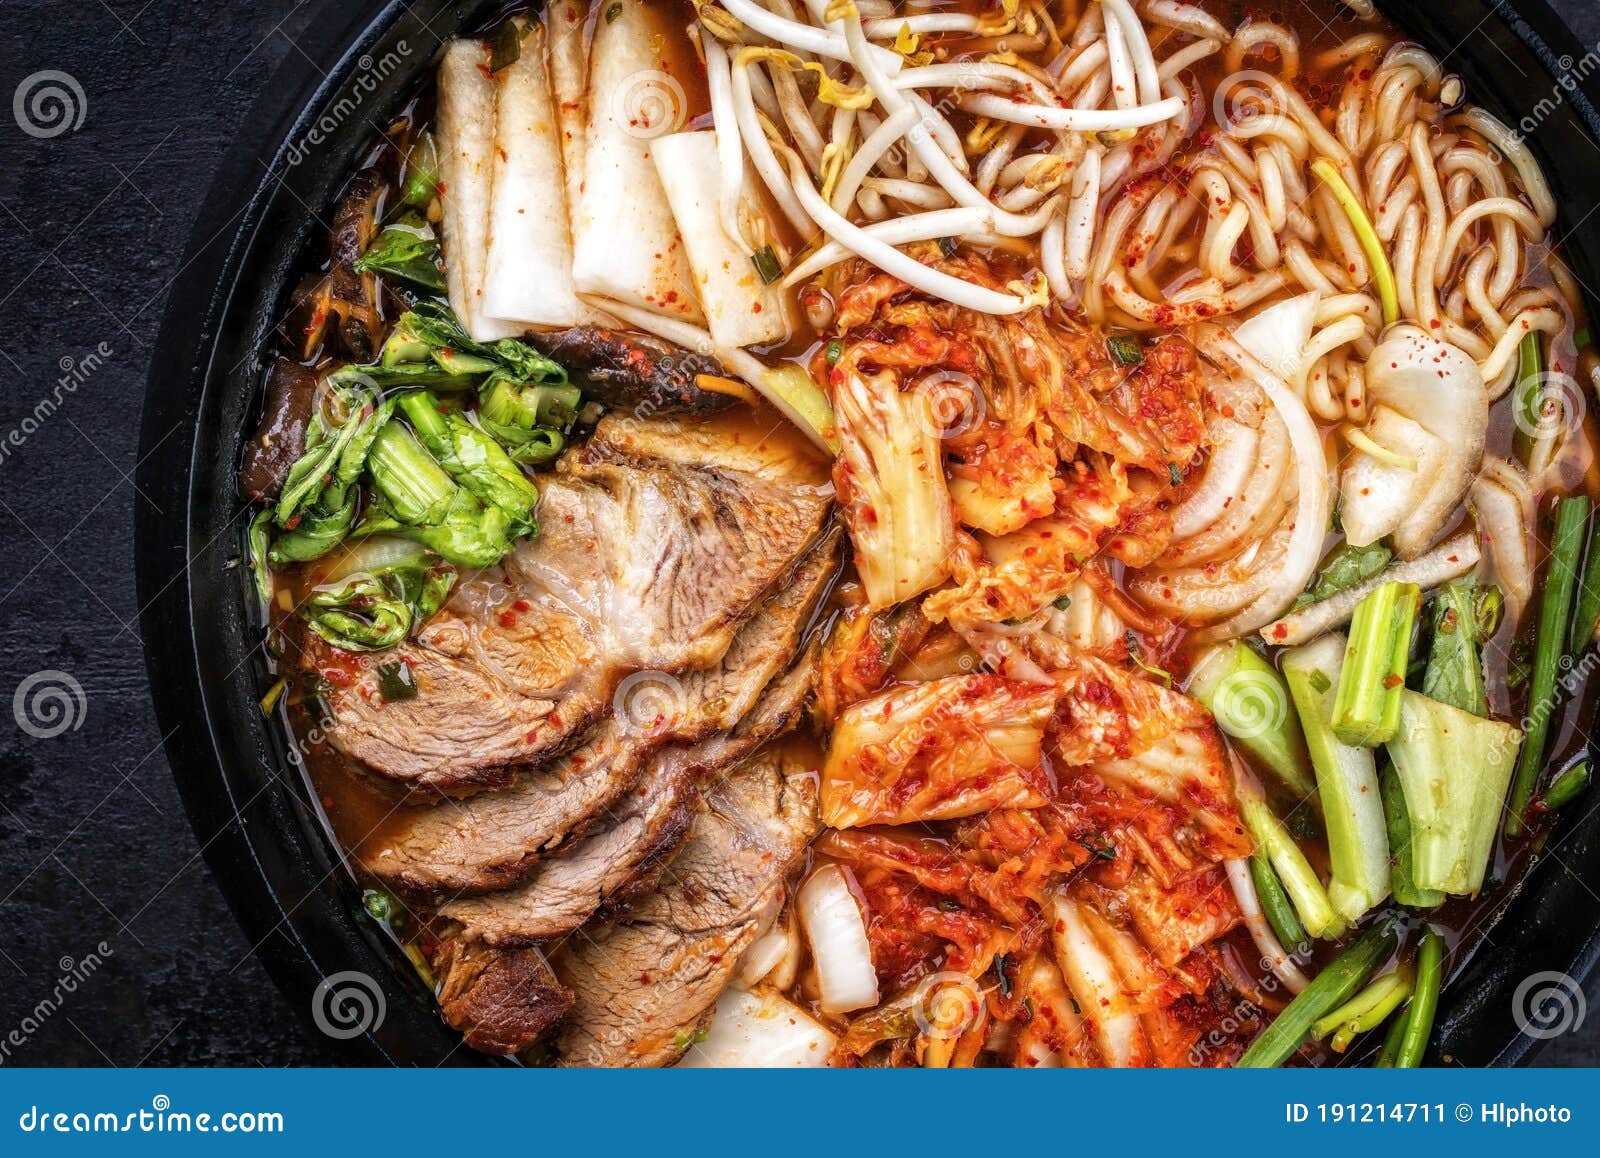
(644, 830)
(659, 538)
(646, 823)
(644, 984)
(494, 839)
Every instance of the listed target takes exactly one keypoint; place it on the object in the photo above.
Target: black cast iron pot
(247, 799)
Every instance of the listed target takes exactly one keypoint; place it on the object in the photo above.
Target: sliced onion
(1313, 503)
(837, 932)
(1233, 458)
(1275, 956)
(1505, 507)
(1256, 510)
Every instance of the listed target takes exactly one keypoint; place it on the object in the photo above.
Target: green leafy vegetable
(767, 264)
(527, 420)
(396, 681)
(1125, 350)
(474, 460)
(408, 249)
(1347, 782)
(259, 537)
(1402, 874)
(422, 173)
(1454, 768)
(1345, 568)
(1251, 704)
(376, 609)
(1454, 674)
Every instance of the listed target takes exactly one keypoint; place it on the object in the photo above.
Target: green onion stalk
(1366, 1010)
(1340, 980)
(1555, 612)
(1407, 1040)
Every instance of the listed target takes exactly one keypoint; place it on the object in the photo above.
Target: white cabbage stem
(837, 932)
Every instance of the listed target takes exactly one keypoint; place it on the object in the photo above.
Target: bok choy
(1347, 781)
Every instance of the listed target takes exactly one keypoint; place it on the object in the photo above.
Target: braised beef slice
(659, 540)
(493, 840)
(643, 984)
(499, 1001)
(642, 831)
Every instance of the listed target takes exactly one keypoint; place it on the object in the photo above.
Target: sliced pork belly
(644, 984)
(651, 559)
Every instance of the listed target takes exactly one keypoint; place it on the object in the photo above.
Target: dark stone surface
(99, 869)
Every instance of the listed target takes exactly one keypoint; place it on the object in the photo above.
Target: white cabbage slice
(464, 129)
(760, 1031)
